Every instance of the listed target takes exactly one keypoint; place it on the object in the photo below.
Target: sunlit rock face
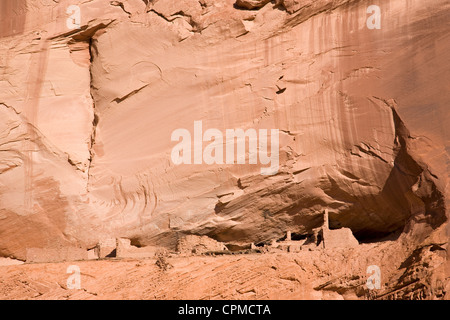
(90, 98)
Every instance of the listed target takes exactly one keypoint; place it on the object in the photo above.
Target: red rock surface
(87, 116)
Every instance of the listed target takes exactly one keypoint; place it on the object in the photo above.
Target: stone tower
(326, 225)
(339, 238)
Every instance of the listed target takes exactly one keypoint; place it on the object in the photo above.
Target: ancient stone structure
(339, 238)
(319, 239)
(124, 249)
(35, 255)
(106, 248)
(192, 244)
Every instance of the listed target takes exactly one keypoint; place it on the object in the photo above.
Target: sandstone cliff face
(87, 116)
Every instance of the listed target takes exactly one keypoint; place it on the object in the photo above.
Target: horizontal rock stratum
(91, 92)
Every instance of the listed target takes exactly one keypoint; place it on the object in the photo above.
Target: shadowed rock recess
(87, 114)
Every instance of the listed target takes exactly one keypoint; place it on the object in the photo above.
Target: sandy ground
(340, 273)
(252, 276)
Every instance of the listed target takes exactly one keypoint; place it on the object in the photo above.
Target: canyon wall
(87, 116)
